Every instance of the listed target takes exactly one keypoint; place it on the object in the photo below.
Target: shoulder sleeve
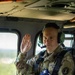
(67, 65)
(24, 66)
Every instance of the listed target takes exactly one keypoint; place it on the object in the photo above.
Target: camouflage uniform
(27, 66)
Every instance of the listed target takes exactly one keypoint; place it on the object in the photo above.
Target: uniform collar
(53, 55)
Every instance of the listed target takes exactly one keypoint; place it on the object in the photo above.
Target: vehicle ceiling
(39, 9)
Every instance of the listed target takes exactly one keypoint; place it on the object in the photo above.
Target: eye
(51, 38)
(44, 37)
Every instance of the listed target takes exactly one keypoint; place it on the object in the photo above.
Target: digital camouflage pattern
(26, 66)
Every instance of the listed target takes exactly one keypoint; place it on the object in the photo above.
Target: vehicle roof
(39, 9)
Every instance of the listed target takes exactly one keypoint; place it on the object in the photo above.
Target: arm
(67, 66)
(23, 67)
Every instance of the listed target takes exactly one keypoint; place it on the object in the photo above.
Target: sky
(8, 41)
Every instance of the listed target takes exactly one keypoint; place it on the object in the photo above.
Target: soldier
(44, 63)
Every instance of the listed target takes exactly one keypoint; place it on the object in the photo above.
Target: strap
(58, 62)
(38, 61)
(41, 58)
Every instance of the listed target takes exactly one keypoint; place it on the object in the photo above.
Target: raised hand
(26, 43)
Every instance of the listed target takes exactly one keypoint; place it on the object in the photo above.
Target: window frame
(68, 38)
(13, 31)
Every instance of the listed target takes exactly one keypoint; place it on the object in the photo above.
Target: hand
(26, 43)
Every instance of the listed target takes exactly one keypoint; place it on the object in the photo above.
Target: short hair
(53, 25)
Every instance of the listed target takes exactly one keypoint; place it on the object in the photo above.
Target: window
(8, 53)
(69, 40)
(39, 46)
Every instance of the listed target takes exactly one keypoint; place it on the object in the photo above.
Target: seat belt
(58, 62)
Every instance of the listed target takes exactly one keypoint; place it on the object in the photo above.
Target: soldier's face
(50, 38)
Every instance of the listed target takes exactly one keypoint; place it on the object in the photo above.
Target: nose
(47, 41)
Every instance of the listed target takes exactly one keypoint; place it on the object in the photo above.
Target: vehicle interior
(19, 17)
